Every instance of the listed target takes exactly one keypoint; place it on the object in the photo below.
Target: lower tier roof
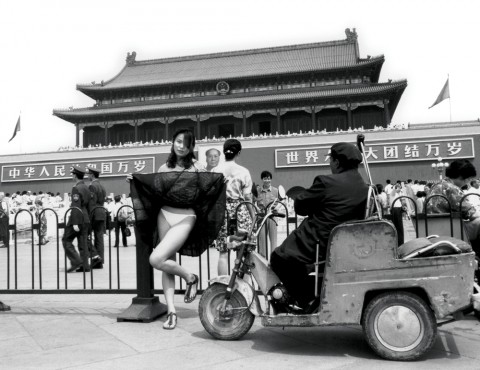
(348, 93)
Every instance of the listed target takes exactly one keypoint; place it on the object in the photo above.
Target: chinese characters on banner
(405, 151)
(61, 170)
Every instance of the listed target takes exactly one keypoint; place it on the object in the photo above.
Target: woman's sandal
(188, 298)
(171, 322)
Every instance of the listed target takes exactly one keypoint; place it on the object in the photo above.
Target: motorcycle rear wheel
(234, 323)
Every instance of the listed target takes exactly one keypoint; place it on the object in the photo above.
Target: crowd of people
(36, 202)
(459, 191)
(10, 204)
(129, 144)
(419, 190)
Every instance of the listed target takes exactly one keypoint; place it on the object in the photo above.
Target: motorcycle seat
(433, 245)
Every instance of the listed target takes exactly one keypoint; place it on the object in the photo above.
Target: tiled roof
(240, 64)
(219, 101)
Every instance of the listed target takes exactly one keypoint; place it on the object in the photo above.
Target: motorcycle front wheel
(230, 323)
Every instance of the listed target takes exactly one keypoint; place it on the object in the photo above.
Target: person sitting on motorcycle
(331, 200)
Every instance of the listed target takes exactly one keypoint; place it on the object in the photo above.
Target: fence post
(3, 306)
(145, 306)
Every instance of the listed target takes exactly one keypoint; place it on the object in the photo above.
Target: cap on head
(93, 170)
(79, 171)
(346, 153)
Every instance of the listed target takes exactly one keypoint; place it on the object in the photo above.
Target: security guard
(78, 223)
(97, 216)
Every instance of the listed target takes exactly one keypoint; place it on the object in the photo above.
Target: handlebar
(360, 142)
(238, 238)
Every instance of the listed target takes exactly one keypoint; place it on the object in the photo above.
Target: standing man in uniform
(78, 224)
(98, 216)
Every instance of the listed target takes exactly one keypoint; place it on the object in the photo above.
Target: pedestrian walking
(120, 216)
(97, 216)
(78, 224)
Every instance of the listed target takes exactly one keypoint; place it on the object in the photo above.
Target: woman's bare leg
(163, 256)
(168, 283)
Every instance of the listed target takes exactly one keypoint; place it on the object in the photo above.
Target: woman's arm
(251, 210)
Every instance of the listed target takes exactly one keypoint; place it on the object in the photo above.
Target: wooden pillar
(244, 123)
(313, 119)
(279, 122)
(77, 136)
(386, 112)
(136, 131)
(349, 116)
(166, 130)
(198, 127)
(105, 141)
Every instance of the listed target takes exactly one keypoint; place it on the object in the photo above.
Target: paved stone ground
(81, 332)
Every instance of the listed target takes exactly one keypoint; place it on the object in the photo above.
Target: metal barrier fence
(42, 253)
(145, 307)
(29, 266)
(432, 220)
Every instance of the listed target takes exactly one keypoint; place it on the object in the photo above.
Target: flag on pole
(17, 128)
(444, 94)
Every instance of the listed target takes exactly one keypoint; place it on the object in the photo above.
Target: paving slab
(81, 332)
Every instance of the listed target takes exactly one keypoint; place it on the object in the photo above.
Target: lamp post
(440, 166)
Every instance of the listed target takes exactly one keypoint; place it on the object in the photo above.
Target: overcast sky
(48, 46)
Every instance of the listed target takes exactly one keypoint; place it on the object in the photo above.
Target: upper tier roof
(321, 56)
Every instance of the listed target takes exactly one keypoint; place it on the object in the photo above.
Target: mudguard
(476, 297)
(244, 289)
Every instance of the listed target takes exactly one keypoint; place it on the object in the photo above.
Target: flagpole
(20, 115)
(449, 97)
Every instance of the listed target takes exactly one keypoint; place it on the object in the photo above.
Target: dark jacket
(330, 201)
(205, 192)
(80, 199)
(98, 199)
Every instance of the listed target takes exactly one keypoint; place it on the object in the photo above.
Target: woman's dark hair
(231, 148)
(189, 141)
(460, 168)
(379, 188)
(117, 198)
(421, 194)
